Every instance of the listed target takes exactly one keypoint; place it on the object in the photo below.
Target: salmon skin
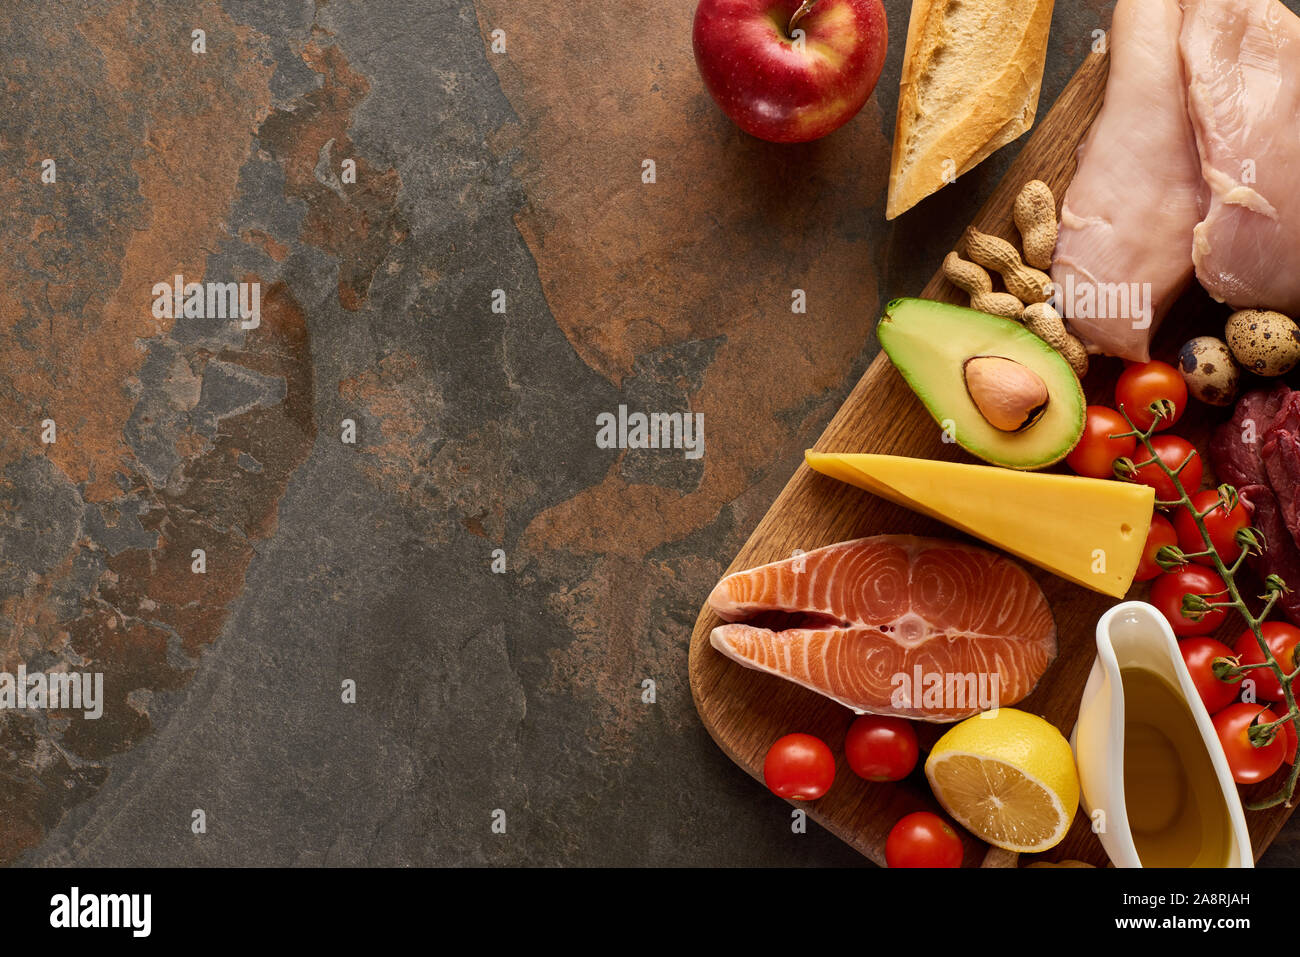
(894, 624)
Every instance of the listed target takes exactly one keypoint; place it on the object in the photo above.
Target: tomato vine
(1195, 607)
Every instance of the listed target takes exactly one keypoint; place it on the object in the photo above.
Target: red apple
(790, 70)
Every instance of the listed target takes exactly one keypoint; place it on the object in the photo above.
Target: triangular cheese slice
(1090, 531)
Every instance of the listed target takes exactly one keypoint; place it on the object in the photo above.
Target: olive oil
(1176, 810)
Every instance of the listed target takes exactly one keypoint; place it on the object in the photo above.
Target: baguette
(972, 72)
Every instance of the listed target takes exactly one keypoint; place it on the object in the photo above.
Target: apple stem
(799, 14)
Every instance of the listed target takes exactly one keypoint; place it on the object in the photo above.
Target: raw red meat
(1235, 449)
(1282, 463)
(1280, 557)
(1258, 452)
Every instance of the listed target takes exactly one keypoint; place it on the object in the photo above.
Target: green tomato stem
(1228, 574)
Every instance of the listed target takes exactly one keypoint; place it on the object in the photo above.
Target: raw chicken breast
(1243, 67)
(1126, 223)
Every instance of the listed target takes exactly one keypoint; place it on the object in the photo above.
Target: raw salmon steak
(894, 624)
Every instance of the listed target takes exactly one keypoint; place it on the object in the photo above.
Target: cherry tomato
(1199, 654)
(799, 767)
(1220, 523)
(1143, 383)
(1248, 763)
(1173, 451)
(1282, 640)
(923, 839)
(1167, 595)
(1161, 534)
(1096, 452)
(881, 747)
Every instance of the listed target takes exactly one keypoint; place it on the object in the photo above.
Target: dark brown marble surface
(326, 562)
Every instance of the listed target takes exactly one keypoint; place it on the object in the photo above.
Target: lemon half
(1008, 778)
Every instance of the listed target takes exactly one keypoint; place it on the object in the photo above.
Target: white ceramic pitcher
(1135, 634)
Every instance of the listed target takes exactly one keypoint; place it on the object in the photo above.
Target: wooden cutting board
(745, 711)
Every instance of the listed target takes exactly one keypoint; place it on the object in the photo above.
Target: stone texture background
(477, 171)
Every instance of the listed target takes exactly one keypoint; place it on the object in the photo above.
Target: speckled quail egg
(1265, 343)
(1208, 370)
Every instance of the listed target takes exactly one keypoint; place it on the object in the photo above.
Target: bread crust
(998, 107)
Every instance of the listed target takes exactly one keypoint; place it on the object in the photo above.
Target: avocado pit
(1009, 395)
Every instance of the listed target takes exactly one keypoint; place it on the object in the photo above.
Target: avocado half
(930, 343)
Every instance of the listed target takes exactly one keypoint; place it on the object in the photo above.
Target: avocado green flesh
(929, 343)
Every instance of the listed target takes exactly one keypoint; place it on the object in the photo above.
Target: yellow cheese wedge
(1090, 531)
